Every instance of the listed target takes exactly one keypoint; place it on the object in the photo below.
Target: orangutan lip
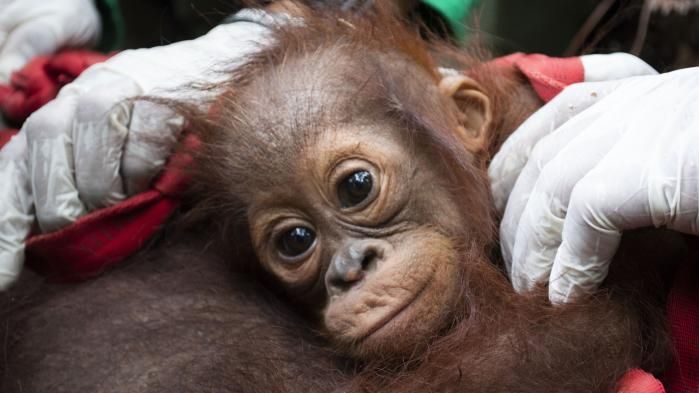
(393, 314)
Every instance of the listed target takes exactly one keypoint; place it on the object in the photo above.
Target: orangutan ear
(474, 109)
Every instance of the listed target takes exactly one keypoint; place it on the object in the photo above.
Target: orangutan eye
(295, 241)
(355, 188)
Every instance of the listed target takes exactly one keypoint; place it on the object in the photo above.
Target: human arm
(599, 159)
(92, 147)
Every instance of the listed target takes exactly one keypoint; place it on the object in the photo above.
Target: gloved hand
(598, 159)
(29, 28)
(91, 147)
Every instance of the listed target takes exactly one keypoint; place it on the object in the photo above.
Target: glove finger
(612, 66)
(589, 240)
(649, 179)
(100, 131)
(547, 148)
(33, 38)
(514, 153)
(16, 210)
(571, 152)
(51, 163)
(153, 132)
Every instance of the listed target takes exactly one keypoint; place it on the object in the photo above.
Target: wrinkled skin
(403, 251)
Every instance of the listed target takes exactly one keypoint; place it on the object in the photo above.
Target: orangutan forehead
(305, 92)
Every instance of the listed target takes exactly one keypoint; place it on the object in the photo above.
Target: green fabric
(112, 25)
(454, 13)
(114, 35)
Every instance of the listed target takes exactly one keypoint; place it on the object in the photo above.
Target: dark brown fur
(176, 320)
(180, 321)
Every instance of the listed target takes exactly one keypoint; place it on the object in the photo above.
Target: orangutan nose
(351, 263)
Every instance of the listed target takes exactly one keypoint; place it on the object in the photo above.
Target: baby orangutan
(354, 171)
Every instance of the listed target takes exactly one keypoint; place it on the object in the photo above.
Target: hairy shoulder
(174, 320)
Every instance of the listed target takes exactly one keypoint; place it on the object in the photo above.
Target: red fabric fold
(107, 236)
(40, 80)
(6, 135)
(101, 239)
(639, 381)
(547, 75)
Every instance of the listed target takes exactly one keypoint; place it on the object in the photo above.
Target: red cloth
(6, 135)
(639, 381)
(547, 75)
(39, 81)
(105, 237)
(683, 316)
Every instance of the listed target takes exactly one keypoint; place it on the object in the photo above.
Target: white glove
(89, 148)
(29, 28)
(600, 158)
